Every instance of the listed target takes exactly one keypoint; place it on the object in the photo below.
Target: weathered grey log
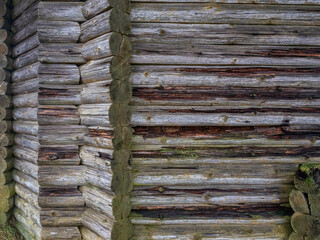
(26, 181)
(26, 59)
(27, 141)
(96, 70)
(98, 158)
(102, 47)
(91, 95)
(61, 11)
(25, 73)
(27, 114)
(61, 53)
(224, 13)
(61, 176)
(99, 137)
(25, 100)
(102, 224)
(60, 198)
(26, 127)
(60, 233)
(95, 27)
(29, 15)
(100, 179)
(25, 33)
(64, 134)
(26, 167)
(92, 8)
(26, 45)
(58, 74)
(21, 7)
(24, 87)
(98, 199)
(58, 31)
(54, 217)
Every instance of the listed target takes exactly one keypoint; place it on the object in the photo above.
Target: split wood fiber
(47, 98)
(305, 201)
(105, 96)
(6, 135)
(225, 107)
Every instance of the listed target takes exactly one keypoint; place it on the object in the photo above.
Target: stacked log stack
(305, 201)
(225, 107)
(47, 121)
(104, 110)
(6, 137)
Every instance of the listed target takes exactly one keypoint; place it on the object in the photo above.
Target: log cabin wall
(6, 136)
(105, 96)
(46, 88)
(225, 107)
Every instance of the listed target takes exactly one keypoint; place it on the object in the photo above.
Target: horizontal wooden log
(225, 76)
(229, 228)
(28, 222)
(26, 45)
(100, 179)
(88, 120)
(58, 31)
(60, 134)
(198, 54)
(25, 33)
(61, 11)
(26, 100)
(99, 158)
(59, 95)
(26, 181)
(95, 27)
(27, 195)
(87, 234)
(102, 224)
(28, 209)
(222, 34)
(60, 233)
(94, 95)
(56, 217)
(95, 71)
(25, 232)
(27, 114)
(58, 74)
(60, 198)
(61, 176)
(223, 13)
(56, 115)
(26, 167)
(98, 200)
(26, 127)
(27, 16)
(94, 109)
(59, 155)
(26, 59)
(61, 53)
(153, 119)
(99, 137)
(21, 7)
(25, 73)
(102, 47)
(27, 141)
(92, 8)
(24, 87)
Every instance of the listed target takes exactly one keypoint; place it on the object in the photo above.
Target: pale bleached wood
(102, 224)
(60, 233)
(61, 11)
